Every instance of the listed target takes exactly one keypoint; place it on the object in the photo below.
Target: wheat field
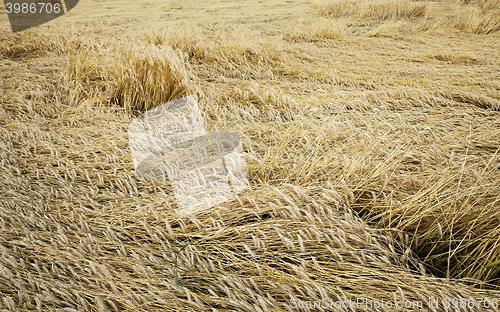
(372, 130)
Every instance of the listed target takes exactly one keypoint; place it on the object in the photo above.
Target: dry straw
(374, 161)
(149, 75)
(373, 9)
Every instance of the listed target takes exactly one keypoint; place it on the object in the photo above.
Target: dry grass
(380, 10)
(27, 43)
(373, 132)
(322, 30)
(479, 17)
(477, 22)
(138, 78)
(483, 4)
(150, 76)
